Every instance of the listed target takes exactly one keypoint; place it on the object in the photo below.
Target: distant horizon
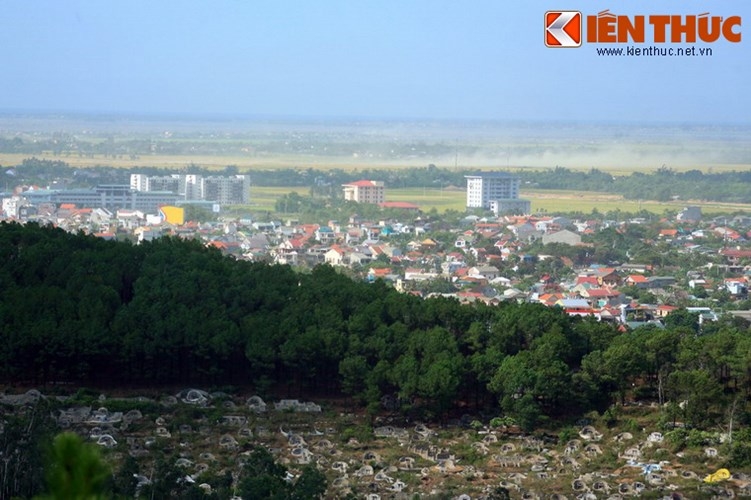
(473, 143)
(187, 116)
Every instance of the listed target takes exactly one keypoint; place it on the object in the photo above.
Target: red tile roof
(637, 278)
(362, 183)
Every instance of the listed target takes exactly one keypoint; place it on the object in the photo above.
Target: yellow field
(250, 162)
(243, 163)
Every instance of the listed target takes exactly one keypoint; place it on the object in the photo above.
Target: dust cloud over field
(251, 143)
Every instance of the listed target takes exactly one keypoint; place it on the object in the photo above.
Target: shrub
(740, 456)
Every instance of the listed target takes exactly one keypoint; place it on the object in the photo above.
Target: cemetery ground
(202, 437)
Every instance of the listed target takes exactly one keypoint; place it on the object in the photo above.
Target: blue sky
(402, 59)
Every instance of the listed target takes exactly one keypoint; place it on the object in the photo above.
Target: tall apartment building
(191, 186)
(139, 182)
(365, 191)
(169, 183)
(496, 191)
(225, 190)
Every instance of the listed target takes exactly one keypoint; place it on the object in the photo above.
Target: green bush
(567, 434)
(676, 439)
(697, 438)
(740, 456)
(363, 433)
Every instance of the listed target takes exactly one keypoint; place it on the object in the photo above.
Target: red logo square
(563, 28)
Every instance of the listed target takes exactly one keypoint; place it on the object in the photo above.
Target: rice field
(260, 161)
(551, 201)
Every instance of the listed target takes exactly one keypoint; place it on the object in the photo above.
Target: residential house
(668, 234)
(335, 256)
(463, 241)
(486, 272)
(353, 236)
(660, 281)
(428, 245)
(608, 276)
(637, 280)
(449, 268)
(735, 256)
(564, 237)
(576, 307)
(524, 231)
(130, 219)
(287, 251)
(736, 286)
(384, 273)
(147, 233)
(698, 283)
(325, 235)
(101, 217)
(689, 214)
(601, 297)
(664, 309)
(586, 281)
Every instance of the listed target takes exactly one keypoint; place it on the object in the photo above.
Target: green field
(552, 201)
(264, 197)
(583, 201)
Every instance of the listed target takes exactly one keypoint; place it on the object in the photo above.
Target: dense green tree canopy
(74, 308)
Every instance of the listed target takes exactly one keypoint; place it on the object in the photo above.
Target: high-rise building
(146, 183)
(169, 183)
(365, 191)
(191, 186)
(139, 182)
(497, 191)
(225, 190)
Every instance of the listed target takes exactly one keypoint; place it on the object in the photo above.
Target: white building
(498, 191)
(139, 182)
(365, 191)
(229, 190)
(12, 205)
(225, 190)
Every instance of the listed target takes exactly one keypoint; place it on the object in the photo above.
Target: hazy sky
(405, 59)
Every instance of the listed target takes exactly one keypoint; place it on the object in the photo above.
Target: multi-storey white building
(226, 190)
(139, 182)
(497, 191)
(365, 191)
